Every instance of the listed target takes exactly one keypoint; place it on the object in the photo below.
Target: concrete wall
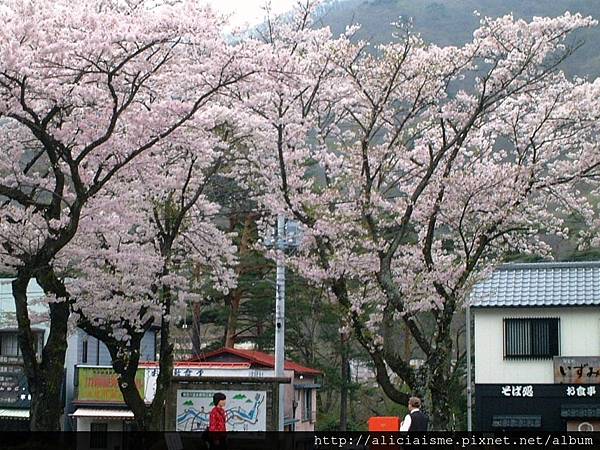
(294, 393)
(579, 336)
(302, 423)
(70, 362)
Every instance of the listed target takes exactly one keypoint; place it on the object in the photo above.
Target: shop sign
(581, 391)
(577, 369)
(14, 391)
(517, 390)
(100, 384)
(187, 372)
(11, 359)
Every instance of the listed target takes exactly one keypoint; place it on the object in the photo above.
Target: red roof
(200, 365)
(259, 358)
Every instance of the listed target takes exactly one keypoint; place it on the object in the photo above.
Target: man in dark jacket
(415, 420)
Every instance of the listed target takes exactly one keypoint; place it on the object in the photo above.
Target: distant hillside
(452, 22)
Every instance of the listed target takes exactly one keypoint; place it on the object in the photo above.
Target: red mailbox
(384, 424)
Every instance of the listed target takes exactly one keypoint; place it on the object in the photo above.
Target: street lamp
(469, 382)
(286, 238)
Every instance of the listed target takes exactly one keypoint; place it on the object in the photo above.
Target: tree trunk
(45, 378)
(408, 350)
(126, 364)
(165, 374)
(345, 375)
(328, 404)
(196, 327)
(46, 413)
(235, 298)
(441, 375)
(439, 409)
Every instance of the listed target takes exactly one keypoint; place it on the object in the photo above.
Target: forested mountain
(452, 22)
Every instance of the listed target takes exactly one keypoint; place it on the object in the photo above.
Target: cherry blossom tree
(150, 244)
(85, 88)
(416, 168)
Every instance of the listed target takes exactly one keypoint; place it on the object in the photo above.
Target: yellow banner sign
(100, 384)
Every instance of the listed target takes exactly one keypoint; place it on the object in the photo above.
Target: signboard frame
(99, 384)
(245, 410)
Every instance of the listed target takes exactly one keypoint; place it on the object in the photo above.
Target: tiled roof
(540, 284)
(258, 358)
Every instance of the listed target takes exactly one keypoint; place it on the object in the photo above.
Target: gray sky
(249, 11)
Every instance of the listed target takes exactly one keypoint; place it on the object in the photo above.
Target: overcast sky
(249, 11)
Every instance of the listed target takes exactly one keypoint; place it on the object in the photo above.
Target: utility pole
(287, 236)
(280, 316)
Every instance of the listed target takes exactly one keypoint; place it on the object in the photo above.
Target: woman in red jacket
(217, 421)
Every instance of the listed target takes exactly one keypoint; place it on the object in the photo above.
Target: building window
(98, 435)
(531, 338)
(9, 345)
(307, 405)
(84, 350)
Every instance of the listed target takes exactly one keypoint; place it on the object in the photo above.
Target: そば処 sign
(517, 390)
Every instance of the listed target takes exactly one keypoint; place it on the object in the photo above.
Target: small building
(88, 361)
(537, 348)
(82, 351)
(98, 404)
(15, 398)
(300, 393)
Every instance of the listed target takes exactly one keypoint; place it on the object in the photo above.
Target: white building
(537, 347)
